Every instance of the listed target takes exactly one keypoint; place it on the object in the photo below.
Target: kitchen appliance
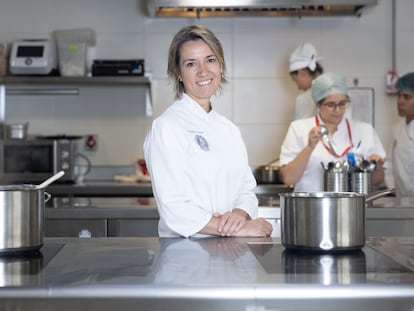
(22, 222)
(34, 159)
(132, 67)
(325, 221)
(33, 57)
(265, 8)
(268, 173)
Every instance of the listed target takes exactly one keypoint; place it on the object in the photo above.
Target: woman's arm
(257, 227)
(292, 172)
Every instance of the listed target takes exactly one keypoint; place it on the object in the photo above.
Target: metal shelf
(56, 85)
(58, 80)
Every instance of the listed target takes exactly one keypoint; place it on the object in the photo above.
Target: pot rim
(322, 194)
(19, 187)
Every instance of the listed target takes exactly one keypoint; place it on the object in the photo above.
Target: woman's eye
(190, 64)
(211, 60)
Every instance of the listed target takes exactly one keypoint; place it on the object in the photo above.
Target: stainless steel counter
(112, 188)
(207, 274)
(101, 188)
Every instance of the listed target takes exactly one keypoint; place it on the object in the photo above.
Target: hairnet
(304, 56)
(328, 84)
(405, 83)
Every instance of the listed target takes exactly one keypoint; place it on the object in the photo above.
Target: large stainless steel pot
(22, 218)
(324, 221)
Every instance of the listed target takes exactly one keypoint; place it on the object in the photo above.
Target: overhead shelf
(59, 80)
(57, 85)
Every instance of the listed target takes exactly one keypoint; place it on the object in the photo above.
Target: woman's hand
(231, 222)
(314, 137)
(258, 227)
(378, 175)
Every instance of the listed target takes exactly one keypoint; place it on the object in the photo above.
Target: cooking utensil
(325, 221)
(325, 136)
(22, 216)
(268, 173)
(17, 131)
(50, 180)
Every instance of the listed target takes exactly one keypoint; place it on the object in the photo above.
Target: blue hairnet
(405, 83)
(328, 84)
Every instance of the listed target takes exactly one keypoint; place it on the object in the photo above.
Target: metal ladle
(324, 133)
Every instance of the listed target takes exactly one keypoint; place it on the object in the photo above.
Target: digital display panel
(30, 51)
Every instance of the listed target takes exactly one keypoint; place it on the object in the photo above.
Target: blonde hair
(192, 33)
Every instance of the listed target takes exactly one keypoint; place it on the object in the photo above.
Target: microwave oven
(35, 160)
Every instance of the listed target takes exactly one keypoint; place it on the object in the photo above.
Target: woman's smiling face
(200, 71)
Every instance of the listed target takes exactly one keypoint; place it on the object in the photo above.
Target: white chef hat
(304, 56)
(328, 84)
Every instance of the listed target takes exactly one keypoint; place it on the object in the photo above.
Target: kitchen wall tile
(263, 142)
(262, 101)
(120, 46)
(404, 13)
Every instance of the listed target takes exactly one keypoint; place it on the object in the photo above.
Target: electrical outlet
(91, 142)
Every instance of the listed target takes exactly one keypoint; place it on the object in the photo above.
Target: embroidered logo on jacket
(202, 142)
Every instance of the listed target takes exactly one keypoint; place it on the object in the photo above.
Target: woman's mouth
(203, 83)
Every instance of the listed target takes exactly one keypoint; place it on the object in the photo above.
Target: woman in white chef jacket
(197, 159)
(304, 67)
(303, 149)
(400, 160)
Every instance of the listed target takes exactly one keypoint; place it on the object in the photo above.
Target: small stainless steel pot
(267, 174)
(22, 218)
(17, 131)
(324, 221)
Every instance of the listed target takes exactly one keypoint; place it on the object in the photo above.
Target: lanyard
(349, 135)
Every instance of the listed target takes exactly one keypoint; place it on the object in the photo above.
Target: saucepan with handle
(325, 221)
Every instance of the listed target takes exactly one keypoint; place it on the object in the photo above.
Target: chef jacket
(400, 161)
(361, 135)
(198, 166)
(305, 107)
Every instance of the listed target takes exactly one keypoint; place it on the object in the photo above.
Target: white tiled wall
(260, 97)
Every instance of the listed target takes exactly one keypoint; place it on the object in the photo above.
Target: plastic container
(72, 50)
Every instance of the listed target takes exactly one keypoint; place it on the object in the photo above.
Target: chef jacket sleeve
(293, 143)
(165, 156)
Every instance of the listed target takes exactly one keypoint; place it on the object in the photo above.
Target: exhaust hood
(265, 8)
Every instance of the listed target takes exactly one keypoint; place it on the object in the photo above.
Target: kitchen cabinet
(132, 227)
(101, 217)
(83, 228)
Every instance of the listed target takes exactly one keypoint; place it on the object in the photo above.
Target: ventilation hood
(265, 8)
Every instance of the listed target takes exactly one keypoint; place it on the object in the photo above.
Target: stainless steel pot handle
(379, 194)
(47, 196)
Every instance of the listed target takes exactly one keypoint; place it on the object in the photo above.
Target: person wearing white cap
(303, 149)
(400, 160)
(304, 67)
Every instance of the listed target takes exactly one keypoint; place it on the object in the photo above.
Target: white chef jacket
(305, 107)
(297, 138)
(198, 166)
(400, 162)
